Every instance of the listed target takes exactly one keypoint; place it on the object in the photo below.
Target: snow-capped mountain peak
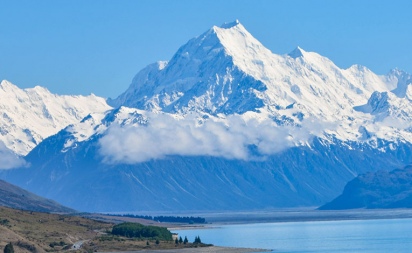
(238, 42)
(30, 115)
(203, 75)
(227, 70)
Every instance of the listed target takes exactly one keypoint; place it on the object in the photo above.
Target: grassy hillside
(36, 232)
(15, 197)
(44, 232)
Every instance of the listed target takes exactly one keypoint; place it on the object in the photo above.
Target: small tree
(186, 240)
(180, 240)
(177, 241)
(197, 240)
(147, 243)
(157, 242)
(9, 248)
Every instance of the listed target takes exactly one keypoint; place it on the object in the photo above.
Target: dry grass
(35, 232)
(42, 229)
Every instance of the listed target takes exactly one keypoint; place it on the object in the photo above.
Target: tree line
(172, 219)
(136, 230)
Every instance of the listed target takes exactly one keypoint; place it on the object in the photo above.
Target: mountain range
(28, 116)
(224, 125)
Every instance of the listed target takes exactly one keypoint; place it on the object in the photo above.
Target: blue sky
(84, 46)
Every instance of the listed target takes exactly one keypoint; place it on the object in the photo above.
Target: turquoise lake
(386, 235)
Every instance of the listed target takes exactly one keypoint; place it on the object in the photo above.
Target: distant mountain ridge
(17, 198)
(381, 189)
(225, 125)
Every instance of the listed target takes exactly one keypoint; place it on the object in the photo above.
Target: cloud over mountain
(8, 159)
(233, 137)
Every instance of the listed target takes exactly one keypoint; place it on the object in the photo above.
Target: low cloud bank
(8, 159)
(231, 138)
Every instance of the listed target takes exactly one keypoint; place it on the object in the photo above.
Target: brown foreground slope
(38, 232)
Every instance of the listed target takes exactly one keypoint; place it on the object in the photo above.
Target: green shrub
(136, 230)
(4, 222)
(9, 248)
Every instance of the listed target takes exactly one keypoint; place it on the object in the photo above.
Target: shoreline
(300, 215)
(292, 215)
(218, 218)
(210, 249)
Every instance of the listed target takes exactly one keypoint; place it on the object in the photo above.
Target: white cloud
(399, 123)
(230, 138)
(8, 159)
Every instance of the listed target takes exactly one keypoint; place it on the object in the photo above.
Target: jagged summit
(6, 85)
(227, 25)
(402, 81)
(297, 52)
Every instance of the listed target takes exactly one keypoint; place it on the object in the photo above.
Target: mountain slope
(30, 115)
(381, 189)
(15, 197)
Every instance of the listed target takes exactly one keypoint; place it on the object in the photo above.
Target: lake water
(377, 236)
